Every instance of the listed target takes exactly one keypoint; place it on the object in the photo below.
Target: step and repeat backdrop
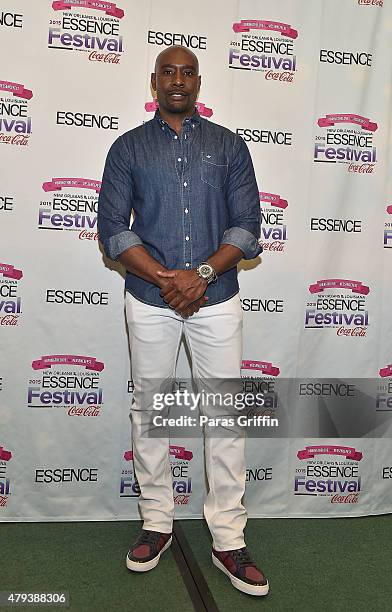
(307, 85)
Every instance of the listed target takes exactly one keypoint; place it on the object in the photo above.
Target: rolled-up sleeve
(243, 203)
(115, 203)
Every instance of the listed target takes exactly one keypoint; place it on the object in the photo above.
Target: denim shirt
(189, 194)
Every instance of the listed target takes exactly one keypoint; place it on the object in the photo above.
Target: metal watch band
(211, 279)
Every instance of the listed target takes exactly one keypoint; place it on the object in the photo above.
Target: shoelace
(148, 537)
(242, 557)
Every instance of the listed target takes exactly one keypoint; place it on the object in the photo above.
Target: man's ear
(153, 82)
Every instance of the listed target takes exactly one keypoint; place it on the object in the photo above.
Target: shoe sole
(145, 566)
(249, 589)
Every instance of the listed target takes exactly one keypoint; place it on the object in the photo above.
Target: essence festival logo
(346, 139)
(264, 46)
(273, 228)
(15, 119)
(5, 483)
(387, 242)
(10, 300)
(204, 111)
(259, 377)
(179, 464)
(70, 382)
(384, 389)
(95, 33)
(336, 477)
(71, 205)
(338, 304)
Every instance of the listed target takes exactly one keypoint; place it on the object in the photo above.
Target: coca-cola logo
(181, 499)
(379, 3)
(106, 58)
(350, 498)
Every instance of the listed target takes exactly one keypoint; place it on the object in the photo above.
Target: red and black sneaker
(242, 571)
(145, 553)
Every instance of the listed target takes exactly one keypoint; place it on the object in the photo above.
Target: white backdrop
(307, 84)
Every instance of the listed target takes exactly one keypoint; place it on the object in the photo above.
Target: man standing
(193, 192)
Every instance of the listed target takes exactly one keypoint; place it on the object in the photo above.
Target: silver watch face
(205, 270)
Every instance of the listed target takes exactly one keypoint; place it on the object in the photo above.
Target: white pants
(214, 338)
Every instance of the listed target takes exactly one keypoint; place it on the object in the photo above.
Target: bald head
(179, 53)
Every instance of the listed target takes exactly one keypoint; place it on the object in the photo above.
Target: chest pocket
(213, 171)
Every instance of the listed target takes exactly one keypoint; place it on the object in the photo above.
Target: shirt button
(186, 238)
(185, 136)
(187, 264)
(179, 159)
(185, 184)
(186, 211)
(175, 137)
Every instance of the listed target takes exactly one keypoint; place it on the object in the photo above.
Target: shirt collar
(195, 118)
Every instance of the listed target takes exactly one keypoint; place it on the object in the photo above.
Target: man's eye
(167, 71)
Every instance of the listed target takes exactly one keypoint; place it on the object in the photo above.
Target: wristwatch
(207, 272)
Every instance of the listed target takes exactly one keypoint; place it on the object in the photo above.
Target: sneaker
(242, 571)
(145, 553)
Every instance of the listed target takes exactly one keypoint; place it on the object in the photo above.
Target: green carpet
(313, 565)
(88, 561)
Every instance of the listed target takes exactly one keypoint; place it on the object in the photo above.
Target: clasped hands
(183, 290)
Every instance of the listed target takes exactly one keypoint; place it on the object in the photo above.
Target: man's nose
(178, 78)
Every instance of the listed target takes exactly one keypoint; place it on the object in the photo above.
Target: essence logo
(72, 382)
(73, 206)
(258, 474)
(265, 136)
(10, 301)
(49, 476)
(97, 36)
(60, 296)
(257, 305)
(346, 145)
(271, 52)
(192, 41)
(15, 122)
(335, 225)
(337, 478)
(104, 122)
(11, 20)
(346, 58)
(203, 110)
(6, 203)
(344, 308)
